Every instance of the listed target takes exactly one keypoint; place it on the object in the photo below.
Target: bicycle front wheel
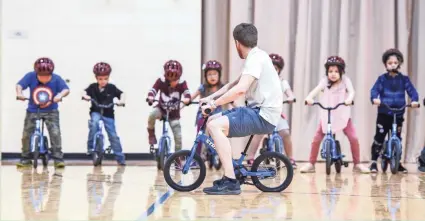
(396, 157)
(179, 179)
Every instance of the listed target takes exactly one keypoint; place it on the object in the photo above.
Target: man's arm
(224, 89)
(236, 91)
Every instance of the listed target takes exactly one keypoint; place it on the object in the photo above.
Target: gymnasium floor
(139, 192)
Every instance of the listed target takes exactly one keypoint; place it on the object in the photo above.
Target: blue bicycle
(164, 145)
(274, 142)
(39, 144)
(392, 148)
(184, 159)
(331, 149)
(98, 148)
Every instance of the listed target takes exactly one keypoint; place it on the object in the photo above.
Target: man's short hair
(246, 34)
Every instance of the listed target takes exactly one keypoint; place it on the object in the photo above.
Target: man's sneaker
(373, 167)
(226, 186)
(402, 169)
(24, 163)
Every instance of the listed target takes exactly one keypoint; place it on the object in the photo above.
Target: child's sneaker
(294, 165)
(226, 186)
(24, 163)
(360, 168)
(152, 137)
(402, 169)
(373, 167)
(308, 168)
(59, 164)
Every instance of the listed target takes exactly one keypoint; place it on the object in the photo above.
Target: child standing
(212, 74)
(104, 93)
(283, 126)
(42, 82)
(390, 88)
(171, 90)
(336, 88)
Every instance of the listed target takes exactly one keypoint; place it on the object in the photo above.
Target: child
(336, 88)
(283, 126)
(104, 93)
(172, 89)
(212, 73)
(390, 87)
(42, 81)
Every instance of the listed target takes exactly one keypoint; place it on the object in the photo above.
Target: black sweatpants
(383, 126)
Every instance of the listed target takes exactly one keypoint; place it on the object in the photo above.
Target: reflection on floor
(140, 192)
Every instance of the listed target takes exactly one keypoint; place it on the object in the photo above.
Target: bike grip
(295, 100)
(305, 102)
(208, 111)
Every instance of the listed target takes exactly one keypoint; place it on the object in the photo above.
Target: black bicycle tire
(36, 153)
(328, 157)
(285, 183)
(175, 185)
(164, 153)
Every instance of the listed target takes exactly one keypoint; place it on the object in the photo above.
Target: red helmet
(43, 65)
(212, 65)
(102, 69)
(277, 60)
(392, 51)
(172, 70)
(335, 60)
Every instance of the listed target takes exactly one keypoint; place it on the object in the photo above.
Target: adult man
(260, 84)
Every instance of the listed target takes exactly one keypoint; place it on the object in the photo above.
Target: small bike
(392, 148)
(98, 148)
(274, 142)
(39, 144)
(164, 146)
(257, 173)
(331, 149)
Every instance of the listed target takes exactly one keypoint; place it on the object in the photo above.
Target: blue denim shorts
(246, 121)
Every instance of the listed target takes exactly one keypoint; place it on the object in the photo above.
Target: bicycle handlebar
(328, 108)
(287, 101)
(104, 106)
(398, 109)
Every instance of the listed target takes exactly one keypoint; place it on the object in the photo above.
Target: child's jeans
(174, 124)
(109, 124)
(349, 131)
(51, 120)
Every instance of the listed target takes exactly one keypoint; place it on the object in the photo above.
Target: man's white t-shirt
(266, 91)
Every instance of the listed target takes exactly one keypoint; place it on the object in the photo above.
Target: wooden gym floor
(82, 192)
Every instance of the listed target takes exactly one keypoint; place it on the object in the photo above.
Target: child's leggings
(156, 114)
(349, 131)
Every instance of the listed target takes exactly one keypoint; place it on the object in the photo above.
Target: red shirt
(168, 94)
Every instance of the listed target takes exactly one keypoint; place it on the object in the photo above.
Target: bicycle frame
(99, 133)
(39, 131)
(165, 135)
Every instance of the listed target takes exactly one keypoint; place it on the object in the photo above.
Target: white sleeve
(252, 66)
(285, 86)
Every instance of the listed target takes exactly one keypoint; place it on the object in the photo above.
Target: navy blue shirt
(106, 96)
(56, 85)
(392, 91)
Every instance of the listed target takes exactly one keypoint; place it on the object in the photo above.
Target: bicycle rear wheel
(277, 157)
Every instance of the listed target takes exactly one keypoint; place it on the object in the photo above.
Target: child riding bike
(171, 89)
(42, 79)
(337, 88)
(104, 93)
(390, 88)
(283, 126)
(212, 73)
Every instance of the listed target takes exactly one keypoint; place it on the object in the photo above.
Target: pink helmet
(335, 60)
(172, 70)
(44, 65)
(102, 69)
(277, 60)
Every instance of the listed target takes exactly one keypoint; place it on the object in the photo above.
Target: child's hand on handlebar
(150, 100)
(348, 102)
(57, 99)
(415, 104)
(309, 101)
(377, 101)
(186, 101)
(86, 97)
(21, 97)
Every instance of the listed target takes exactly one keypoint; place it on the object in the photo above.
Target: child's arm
(350, 90)
(197, 92)
(22, 85)
(288, 91)
(186, 93)
(375, 91)
(64, 90)
(315, 91)
(411, 91)
(154, 90)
